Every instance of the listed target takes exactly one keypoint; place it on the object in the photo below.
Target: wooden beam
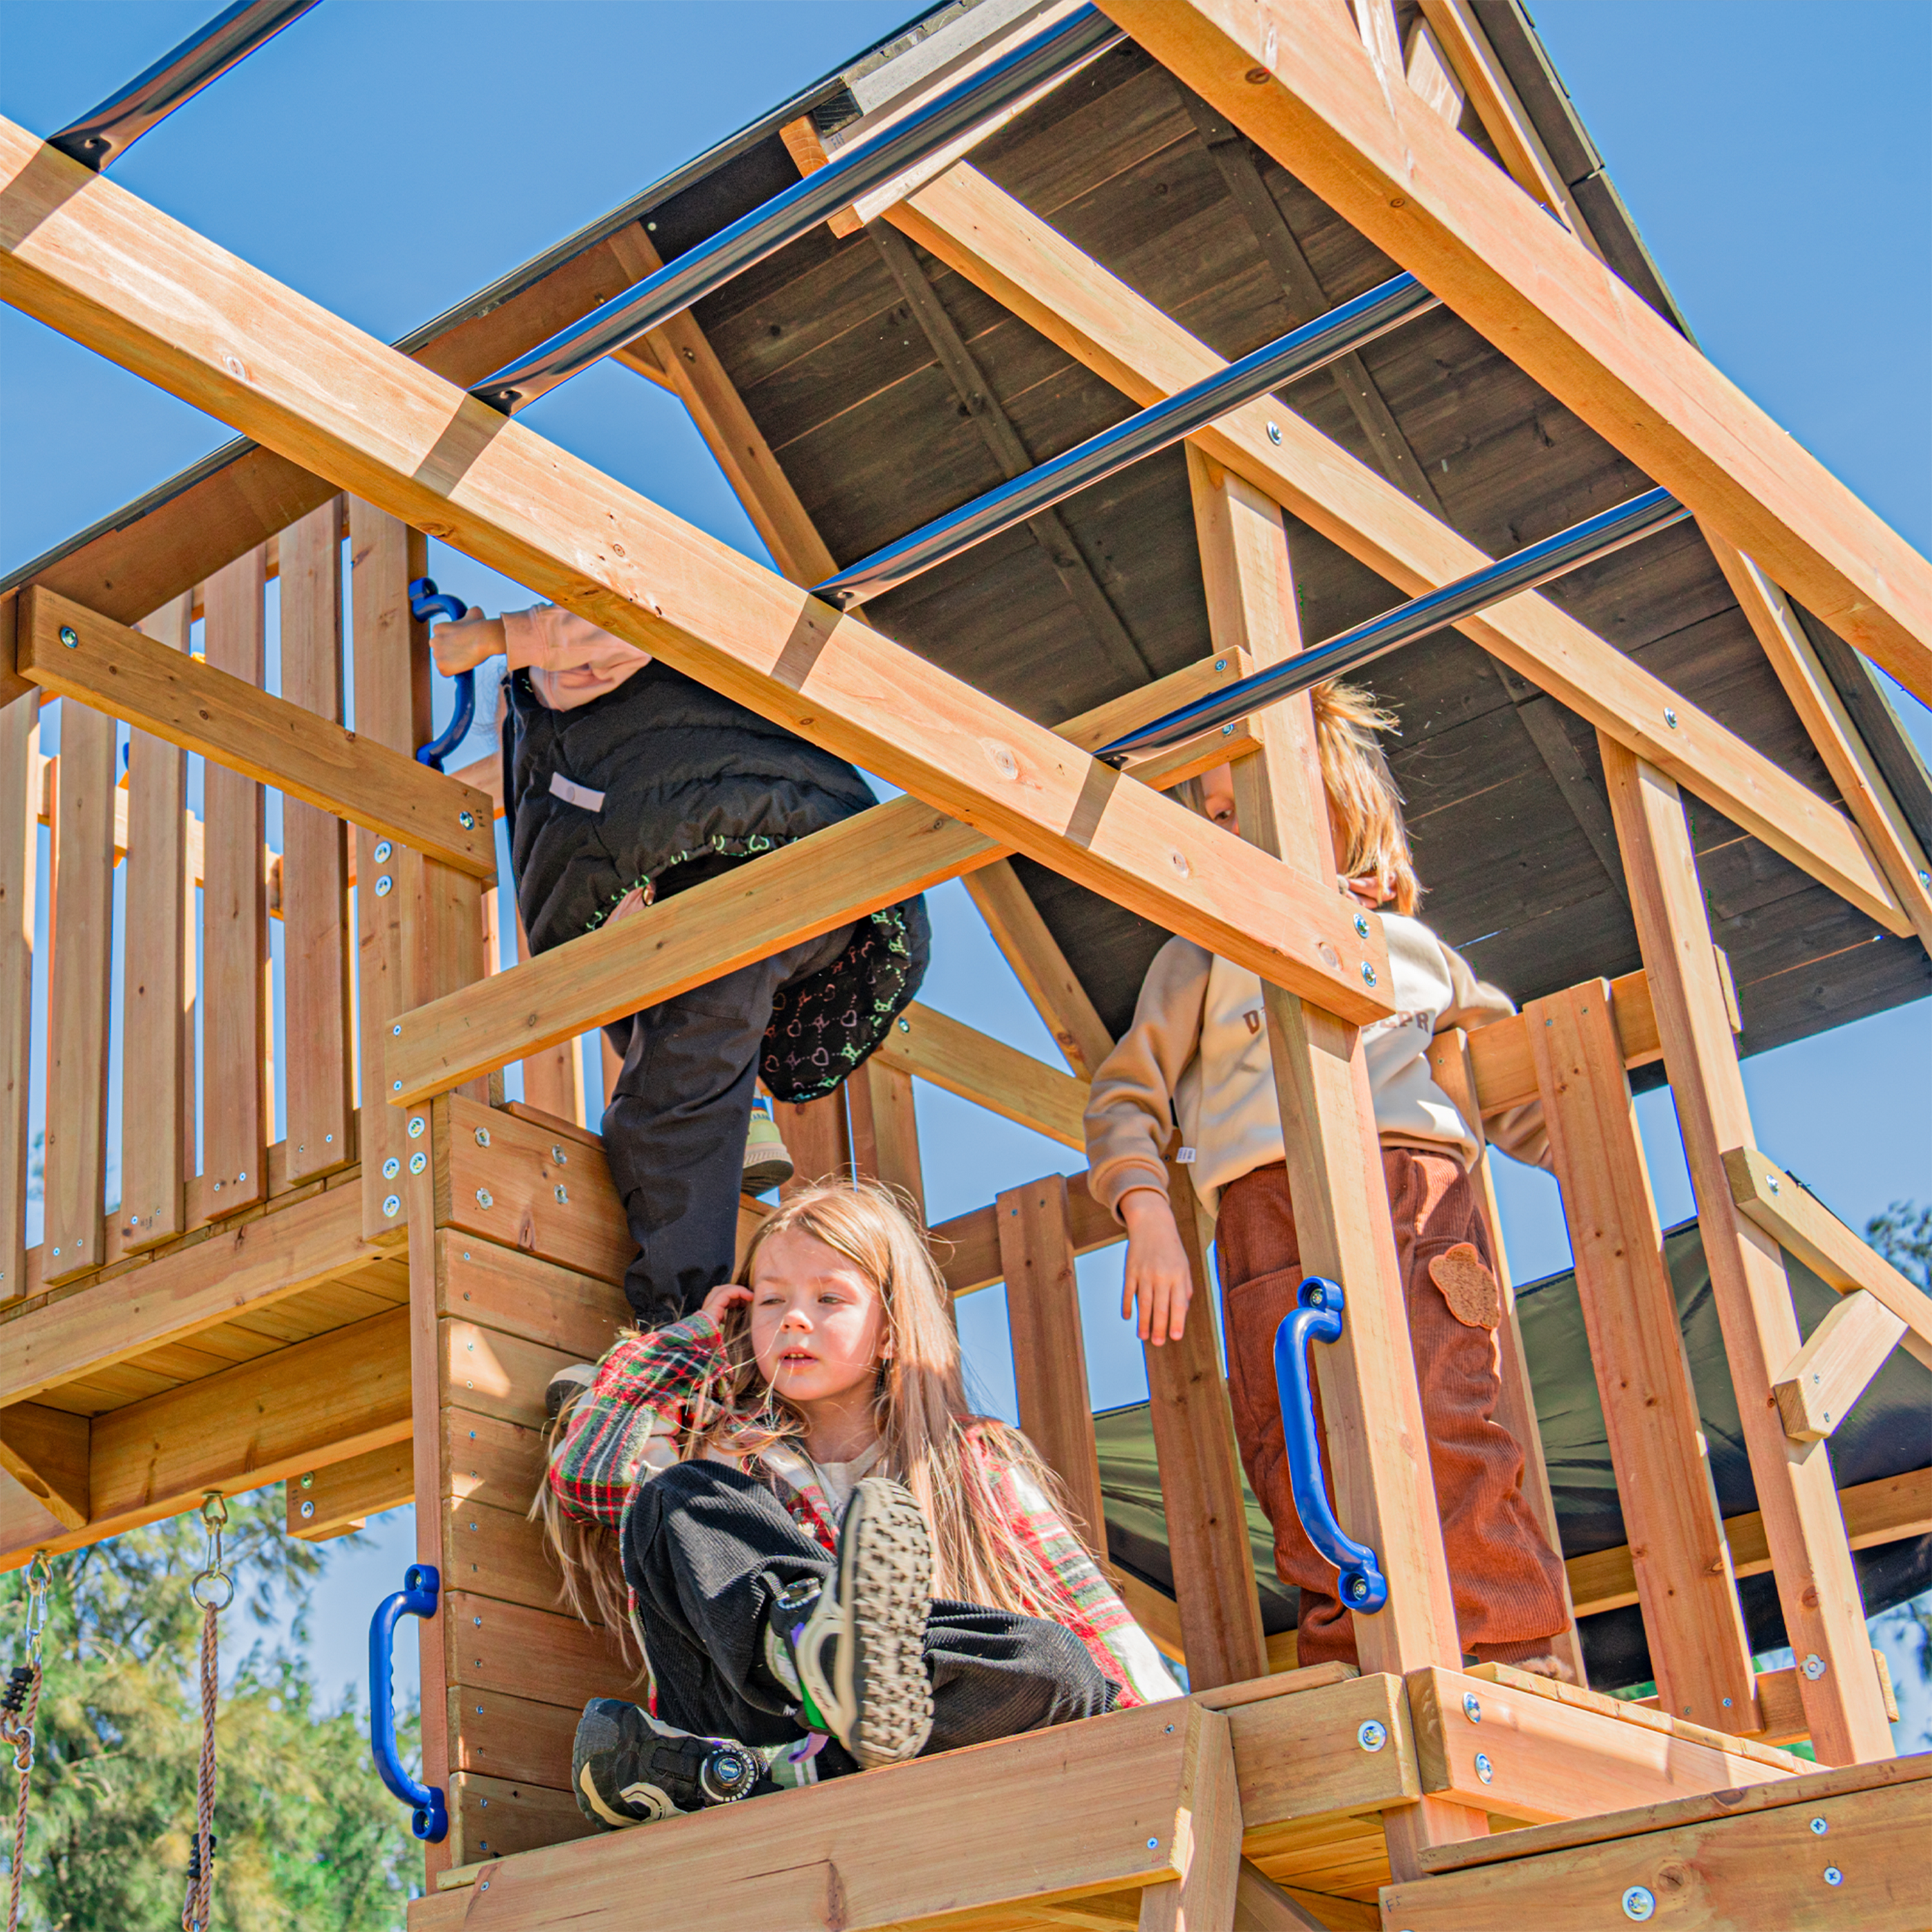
(340, 1497)
(387, 430)
(19, 867)
(1817, 1587)
(1795, 1218)
(817, 1136)
(967, 1246)
(1031, 950)
(1262, 1905)
(1049, 1355)
(987, 1072)
(1504, 1061)
(270, 739)
(885, 1132)
(1201, 1898)
(1700, 1650)
(1017, 258)
(1826, 1377)
(1388, 165)
(45, 1450)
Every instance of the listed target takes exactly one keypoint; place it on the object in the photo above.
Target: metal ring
(212, 1577)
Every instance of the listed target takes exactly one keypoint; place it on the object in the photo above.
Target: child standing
(1197, 1053)
(627, 782)
(831, 1562)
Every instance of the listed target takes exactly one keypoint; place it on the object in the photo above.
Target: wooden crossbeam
(1387, 164)
(1826, 1377)
(340, 1497)
(1031, 950)
(228, 720)
(389, 431)
(988, 1072)
(1035, 273)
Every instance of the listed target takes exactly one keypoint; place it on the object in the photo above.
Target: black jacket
(628, 790)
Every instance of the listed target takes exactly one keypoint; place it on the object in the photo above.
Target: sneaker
(856, 1651)
(566, 1385)
(627, 1768)
(767, 1163)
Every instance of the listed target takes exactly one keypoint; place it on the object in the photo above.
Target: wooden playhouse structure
(1664, 800)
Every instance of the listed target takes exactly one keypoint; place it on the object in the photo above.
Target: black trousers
(708, 1549)
(674, 1128)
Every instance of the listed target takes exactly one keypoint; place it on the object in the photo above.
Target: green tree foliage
(308, 1838)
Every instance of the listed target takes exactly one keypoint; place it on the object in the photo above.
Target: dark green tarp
(1888, 1434)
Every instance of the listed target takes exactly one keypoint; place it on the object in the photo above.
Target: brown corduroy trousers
(1507, 1581)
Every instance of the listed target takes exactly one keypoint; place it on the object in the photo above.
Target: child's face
(817, 1322)
(1217, 798)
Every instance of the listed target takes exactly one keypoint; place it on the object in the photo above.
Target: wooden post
(392, 708)
(19, 856)
(1041, 968)
(315, 864)
(885, 1131)
(1202, 1899)
(236, 1092)
(77, 997)
(1516, 1405)
(1200, 1471)
(1700, 1652)
(1817, 1587)
(1049, 1355)
(552, 1079)
(157, 1051)
(817, 1139)
(1377, 1445)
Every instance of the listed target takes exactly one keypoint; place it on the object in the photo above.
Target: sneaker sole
(886, 1584)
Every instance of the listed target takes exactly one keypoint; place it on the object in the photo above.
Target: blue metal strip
(1081, 37)
(1304, 350)
(1569, 549)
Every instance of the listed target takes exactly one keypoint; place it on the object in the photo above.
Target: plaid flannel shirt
(636, 1418)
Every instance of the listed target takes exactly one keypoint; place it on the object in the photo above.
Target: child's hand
(1159, 1283)
(463, 646)
(722, 1300)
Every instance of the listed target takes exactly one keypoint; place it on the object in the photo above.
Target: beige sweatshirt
(1199, 1046)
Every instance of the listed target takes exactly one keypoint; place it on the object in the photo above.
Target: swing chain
(214, 1590)
(19, 1706)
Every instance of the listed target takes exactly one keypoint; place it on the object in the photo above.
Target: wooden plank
(1262, 1905)
(1798, 1220)
(379, 425)
(1384, 1493)
(1826, 1377)
(817, 1138)
(1040, 967)
(316, 952)
(494, 1818)
(489, 1373)
(510, 1737)
(987, 1072)
(1300, 1757)
(1758, 1867)
(1504, 1067)
(554, 1074)
(987, 237)
(237, 1092)
(1049, 1355)
(493, 1553)
(491, 1646)
(885, 1133)
(233, 724)
(181, 1293)
(1429, 199)
(332, 1501)
(1219, 1613)
(19, 866)
(515, 1293)
(1817, 1588)
(1516, 1404)
(1202, 1899)
(158, 976)
(498, 1465)
(81, 930)
(45, 1450)
(1700, 1650)
(967, 1246)
(524, 1188)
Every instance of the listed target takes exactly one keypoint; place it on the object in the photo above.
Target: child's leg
(674, 1129)
(995, 1674)
(1507, 1582)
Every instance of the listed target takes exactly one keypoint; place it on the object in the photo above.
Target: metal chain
(214, 1590)
(19, 1706)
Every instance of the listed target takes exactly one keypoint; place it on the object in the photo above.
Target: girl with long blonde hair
(830, 1561)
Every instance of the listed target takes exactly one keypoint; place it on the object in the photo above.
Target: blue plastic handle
(429, 1819)
(427, 601)
(1318, 1319)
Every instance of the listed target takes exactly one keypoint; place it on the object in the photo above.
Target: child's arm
(572, 658)
(1129, 1121)
(1473, 1003)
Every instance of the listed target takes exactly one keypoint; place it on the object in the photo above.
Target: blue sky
(389, 156)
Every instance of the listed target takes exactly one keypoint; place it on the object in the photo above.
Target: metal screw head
(1670, 718)
(1361, 925)
(561, 1195)
(1368, 974)
(1220, 663)
(1640, 1902)
(396, 1031)
(484, 1198)
(1472, 1707)
(1819, 1827)
(392, 1205)
(67, 638)
(307, 1509)
(418, 1161)
(557, 1154)
(467, 819)
(1485, 1771)
(383, 849)
(1771, 1183)
(415, 1126)
(395, 1086)
(1356, 1588)
(1153, 1844)
(905, 1026)
(384, 885)
(391, 1167)
(1274, 434)
(482, 1140)
(1814, 1667)
(1372, 1735)
(1833, 1876)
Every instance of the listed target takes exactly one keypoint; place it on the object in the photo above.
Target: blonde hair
(1364, 802)
(931, 1439)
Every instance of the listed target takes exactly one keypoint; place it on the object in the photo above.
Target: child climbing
(627, 782)
(831, 1562)
(1197, 1054)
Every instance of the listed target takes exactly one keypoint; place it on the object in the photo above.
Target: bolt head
(384, 885)
(68, 638)
(415, 1126)
(1833, 1876)
(1485, 1770)
(561, 1195)
(1361, 925)
(1274, 434)
(1814, 1667)
(467, 819)
(383, 849)
(1670, 718)
(1368, 974)
(418, 1161)
(1819, 1827)
(1372, 1735)
(307, 1509)
(392, 1205)
(1472, 1708)
(1640, 1902)
(485, 1198)
(482, 1140)
(391, 1167)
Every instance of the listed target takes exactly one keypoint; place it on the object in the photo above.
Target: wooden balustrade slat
(20, 841)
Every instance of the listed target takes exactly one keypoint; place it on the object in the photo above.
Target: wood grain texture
(1825, 1377)
(19, 866)
(1041, 968)
(1503, 1067)
(988, 1072)
(328, 1502)
(45, 1451)
(1816, 1586)
(81, 924)
(1202, 1899)
(885, 1133)
(158, 976)
(1692, 1619)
